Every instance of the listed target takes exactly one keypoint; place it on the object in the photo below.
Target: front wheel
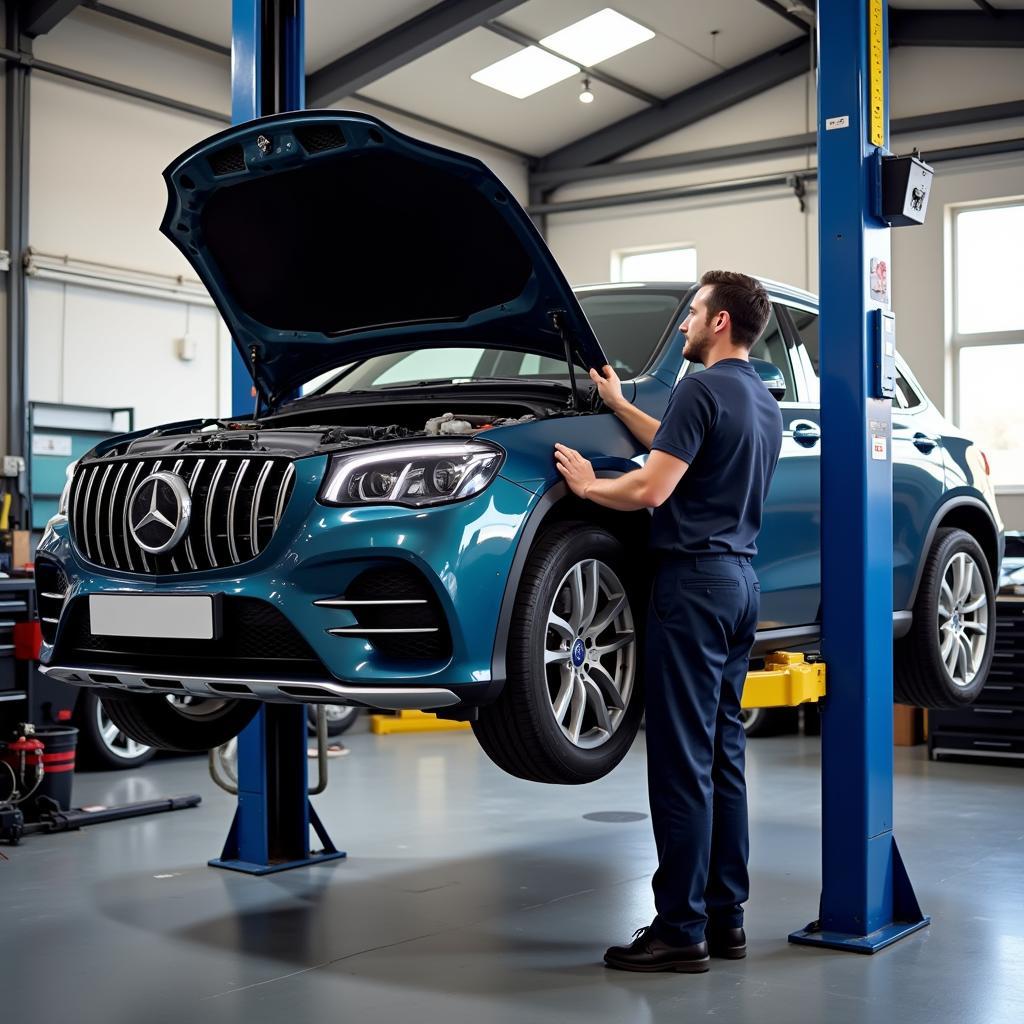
(943, 662)
(188, 725)
(571, 705)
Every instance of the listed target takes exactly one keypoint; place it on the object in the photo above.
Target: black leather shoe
(649, 953)
(727, 943)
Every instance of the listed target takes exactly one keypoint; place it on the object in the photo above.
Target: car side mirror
(772, 377)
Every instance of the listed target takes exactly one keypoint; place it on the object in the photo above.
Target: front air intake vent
(397, 611)
(315, 138)
(229, 160)
(51, 591)
(236, 504)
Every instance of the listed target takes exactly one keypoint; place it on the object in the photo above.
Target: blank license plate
(167, 616)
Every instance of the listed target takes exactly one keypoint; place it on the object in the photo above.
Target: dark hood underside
(326, 237)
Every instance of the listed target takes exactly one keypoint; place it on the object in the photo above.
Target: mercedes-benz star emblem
(158, 512)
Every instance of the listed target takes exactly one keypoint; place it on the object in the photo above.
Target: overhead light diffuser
(525, 72)
(598, 37)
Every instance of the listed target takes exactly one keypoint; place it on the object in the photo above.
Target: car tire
(340, 718)
(102, 744)
(768, 721)
(187, 726)
(943, 662)
(548, 698)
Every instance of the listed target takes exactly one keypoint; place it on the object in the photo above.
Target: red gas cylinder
(24, 756)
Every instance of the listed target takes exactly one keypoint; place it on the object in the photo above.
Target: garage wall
(765, 233)
(96, 200)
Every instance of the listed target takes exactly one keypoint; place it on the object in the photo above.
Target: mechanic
(711, 463)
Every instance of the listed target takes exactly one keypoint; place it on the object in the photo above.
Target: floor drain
(615, 816)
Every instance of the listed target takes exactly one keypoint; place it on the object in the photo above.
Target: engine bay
(278, 436)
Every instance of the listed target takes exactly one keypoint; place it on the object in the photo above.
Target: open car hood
(326, 236)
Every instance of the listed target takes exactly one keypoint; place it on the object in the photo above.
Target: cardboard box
(21, 548)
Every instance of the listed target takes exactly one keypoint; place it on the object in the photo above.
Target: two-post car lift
(867, 901)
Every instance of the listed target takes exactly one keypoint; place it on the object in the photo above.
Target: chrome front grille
(237, 503)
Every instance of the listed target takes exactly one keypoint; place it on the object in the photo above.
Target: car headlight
(431, 473)
(62, 505)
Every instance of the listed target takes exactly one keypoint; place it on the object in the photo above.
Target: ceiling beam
(684, 108)
(39, 16)
(956, 28)
(515, 36)
(804, 142)
(418, 36)
(154, 26)
(784, 12)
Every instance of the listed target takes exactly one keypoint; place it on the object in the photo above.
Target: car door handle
(806, 433)
(925, 442)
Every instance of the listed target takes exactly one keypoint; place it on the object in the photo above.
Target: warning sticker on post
(879, 440)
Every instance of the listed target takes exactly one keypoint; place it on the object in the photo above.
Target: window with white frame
(988, 333)
(666, 263)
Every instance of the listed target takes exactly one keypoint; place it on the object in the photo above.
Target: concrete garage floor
(471, 896)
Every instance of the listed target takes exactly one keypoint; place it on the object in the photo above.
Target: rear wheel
(768, 721)
(101, 742)
(189, 724)
(943, 662)
(571, 706)
(340, 718)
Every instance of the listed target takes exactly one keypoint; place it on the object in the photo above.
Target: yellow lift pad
(786, 680)
(412, 721)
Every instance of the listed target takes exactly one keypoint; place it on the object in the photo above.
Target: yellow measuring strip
(877, 60)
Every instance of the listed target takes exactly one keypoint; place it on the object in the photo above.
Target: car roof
(777, 289)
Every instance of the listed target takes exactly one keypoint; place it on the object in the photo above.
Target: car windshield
(629, 323)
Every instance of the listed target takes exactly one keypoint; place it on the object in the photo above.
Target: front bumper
(463, 551)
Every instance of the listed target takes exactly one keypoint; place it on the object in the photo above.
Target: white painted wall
(95, 347)
(97, 196)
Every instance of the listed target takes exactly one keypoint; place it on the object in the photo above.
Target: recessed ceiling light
(598, 37)
(525, 72)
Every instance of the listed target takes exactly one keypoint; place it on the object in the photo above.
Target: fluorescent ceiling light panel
(598, 37)
(525, 72)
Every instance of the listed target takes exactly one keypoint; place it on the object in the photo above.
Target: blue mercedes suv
(387, 527)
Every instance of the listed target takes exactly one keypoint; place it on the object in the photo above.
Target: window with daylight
(988, 333)
(678, 263)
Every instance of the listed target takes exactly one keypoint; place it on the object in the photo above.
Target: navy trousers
(700, 630)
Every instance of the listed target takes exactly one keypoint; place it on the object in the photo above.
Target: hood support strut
(558, 320)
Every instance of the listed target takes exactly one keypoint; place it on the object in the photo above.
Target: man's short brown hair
(743, 298)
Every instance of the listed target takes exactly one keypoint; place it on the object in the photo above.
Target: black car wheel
(340, 718)
(944, 660)
(768, 721)
(189, 725)
(571, 705)
(102, 745)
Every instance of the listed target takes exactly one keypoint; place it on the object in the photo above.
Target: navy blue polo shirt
(727, 426)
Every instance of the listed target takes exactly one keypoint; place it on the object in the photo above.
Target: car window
(807, 351)
(629, 322)
(423, 364)
(772, 347)
(806, 324)
(906, 396)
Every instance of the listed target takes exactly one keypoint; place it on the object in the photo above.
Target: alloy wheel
(118, 743)
(590, 653)
(963, 618)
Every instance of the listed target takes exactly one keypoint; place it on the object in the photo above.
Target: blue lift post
(867, 900)
(270, 831)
